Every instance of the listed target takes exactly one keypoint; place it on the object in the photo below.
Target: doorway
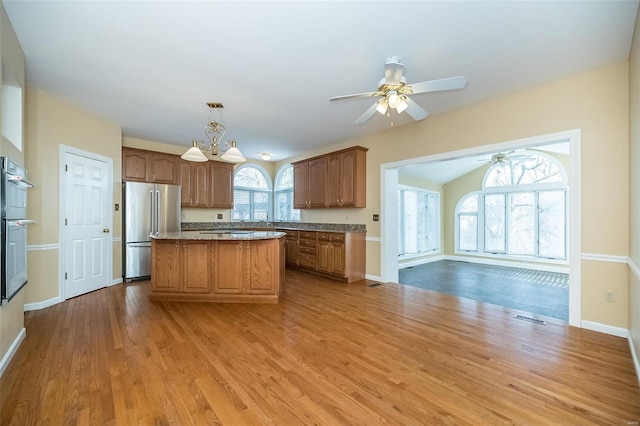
(86, 195)
(390, 219)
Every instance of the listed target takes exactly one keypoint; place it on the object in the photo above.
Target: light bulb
(393, 98)
(265, 156)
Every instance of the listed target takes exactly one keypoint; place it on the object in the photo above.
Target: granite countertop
(302, 226)
(219, 235)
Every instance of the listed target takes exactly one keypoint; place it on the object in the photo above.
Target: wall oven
(13, 234)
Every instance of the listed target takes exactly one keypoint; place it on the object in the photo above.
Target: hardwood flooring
(328, 353)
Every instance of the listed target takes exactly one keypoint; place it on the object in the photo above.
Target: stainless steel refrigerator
(148, 209)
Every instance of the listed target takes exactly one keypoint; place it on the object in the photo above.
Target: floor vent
(374, 285)
(533, 320)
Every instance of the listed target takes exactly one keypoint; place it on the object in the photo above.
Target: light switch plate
(117, 207)
(376, 217)
(219, 215)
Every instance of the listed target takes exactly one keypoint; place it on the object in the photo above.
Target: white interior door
(87, 234)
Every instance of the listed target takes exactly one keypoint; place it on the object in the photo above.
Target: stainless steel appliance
(13, 235)
(148, 209)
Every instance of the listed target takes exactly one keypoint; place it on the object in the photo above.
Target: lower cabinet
(217, 271)
(336, 255)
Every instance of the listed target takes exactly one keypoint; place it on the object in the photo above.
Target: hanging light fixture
(214, 131)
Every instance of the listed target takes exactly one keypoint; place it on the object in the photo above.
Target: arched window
(521, 210)
(251, 193)
(283, 195)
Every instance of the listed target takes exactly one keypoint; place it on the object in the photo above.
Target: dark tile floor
(537, 292)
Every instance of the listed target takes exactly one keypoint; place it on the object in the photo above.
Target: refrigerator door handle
(158, 212)
(151, 212)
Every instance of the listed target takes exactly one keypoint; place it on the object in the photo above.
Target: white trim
(634, 355)
(43, 247)
(373, 277)
(510, 263)
(376, 239)
(115, 281)
(388, 206)
(6, 359)
(116, 239)
(604, 257)
(420, 261)
(561, 263)
(604, 328)
(41, 305)
(634, 268)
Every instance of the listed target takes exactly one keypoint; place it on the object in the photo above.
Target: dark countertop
(325, 227)
(219, 236)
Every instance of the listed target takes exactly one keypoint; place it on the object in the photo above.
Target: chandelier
(214, 131)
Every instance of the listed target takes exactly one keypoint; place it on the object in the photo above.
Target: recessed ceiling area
(152, 66)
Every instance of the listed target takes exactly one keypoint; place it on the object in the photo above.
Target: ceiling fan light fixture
(382, 106)
(402, 105)
(194, 154)
(233, 154)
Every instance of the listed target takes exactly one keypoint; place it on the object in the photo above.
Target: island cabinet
(337, 179)
(217, 271)
(291, 247)
(336, 255)
(139, 165)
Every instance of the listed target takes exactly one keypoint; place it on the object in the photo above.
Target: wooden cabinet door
(195, 266)
(229, 271)
(221, 185)
(166, 274)
(200, 185)
(186, 183)
(163, 168)
(301, 186)
(337, 255)
(318, 182)
(291, 245)
(347, 181)
(265, 267)
(324, 256)
(334, 181)
(134, 165)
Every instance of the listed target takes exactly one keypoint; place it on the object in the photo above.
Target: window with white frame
(251, 193)
(521, 210)
(283, 196)
(419, 221)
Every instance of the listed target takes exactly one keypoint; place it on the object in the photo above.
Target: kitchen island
(218, 266)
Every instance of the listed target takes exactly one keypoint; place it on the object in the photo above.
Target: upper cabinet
(147, 166)
(194, 182)
(337, 179)
(221, 181)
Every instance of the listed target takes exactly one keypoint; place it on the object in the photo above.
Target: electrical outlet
(117, 207)
(376, 218)
(609, 296)
(219, 215)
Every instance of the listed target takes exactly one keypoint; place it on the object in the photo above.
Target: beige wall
(634, 187)
(12, 313)
(52, 122)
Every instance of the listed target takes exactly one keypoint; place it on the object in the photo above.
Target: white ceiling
(152, 65)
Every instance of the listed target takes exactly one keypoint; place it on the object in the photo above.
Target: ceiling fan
(394, 92)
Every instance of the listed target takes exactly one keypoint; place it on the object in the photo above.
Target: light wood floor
(329, 353)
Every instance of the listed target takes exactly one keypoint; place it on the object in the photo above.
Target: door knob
(105, 230)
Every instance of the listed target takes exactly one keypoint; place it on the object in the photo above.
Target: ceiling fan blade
(415, 110)
(357, 95)
(393, 70)
(367, 114)
(438, 85)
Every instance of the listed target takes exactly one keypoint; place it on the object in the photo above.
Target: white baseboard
(634, 355)
(509, 263)
(420, 261)
(604, 328)
(373, 277)
(6, 359)
(115, 281)
(41, 305)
